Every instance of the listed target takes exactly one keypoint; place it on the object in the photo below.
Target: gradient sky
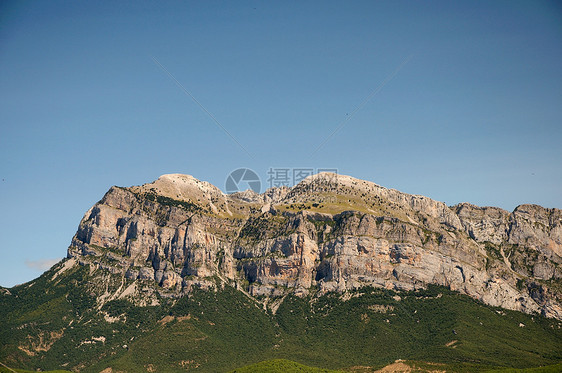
(474, 112)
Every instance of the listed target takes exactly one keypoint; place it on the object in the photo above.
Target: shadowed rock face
(328, 233)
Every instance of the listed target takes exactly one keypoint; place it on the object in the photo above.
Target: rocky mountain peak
(180, 187)
(328, 233)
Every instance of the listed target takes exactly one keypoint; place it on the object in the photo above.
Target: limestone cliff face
(328, 233)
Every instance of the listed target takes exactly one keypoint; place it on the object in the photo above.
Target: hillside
(222, 330)
(334, 273)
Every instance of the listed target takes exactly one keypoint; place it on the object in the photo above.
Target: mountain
(328, 233)
(335, 272)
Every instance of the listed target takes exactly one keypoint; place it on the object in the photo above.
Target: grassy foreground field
(556, 368)
(287, 366)
(281, 365)
(12, 370)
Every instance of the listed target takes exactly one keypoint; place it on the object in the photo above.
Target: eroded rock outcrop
(328, 233)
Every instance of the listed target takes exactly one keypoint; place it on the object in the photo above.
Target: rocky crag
(328, 233)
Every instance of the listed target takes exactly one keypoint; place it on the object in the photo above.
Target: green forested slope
(57, 326)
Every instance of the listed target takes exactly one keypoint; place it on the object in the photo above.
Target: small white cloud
(41, 264)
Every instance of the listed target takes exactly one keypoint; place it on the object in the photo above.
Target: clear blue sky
(474, 115)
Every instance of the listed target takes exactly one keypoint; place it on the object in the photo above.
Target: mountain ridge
(328, 233)
(175, 275)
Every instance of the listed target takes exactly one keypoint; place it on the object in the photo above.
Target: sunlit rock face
(328, 233)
